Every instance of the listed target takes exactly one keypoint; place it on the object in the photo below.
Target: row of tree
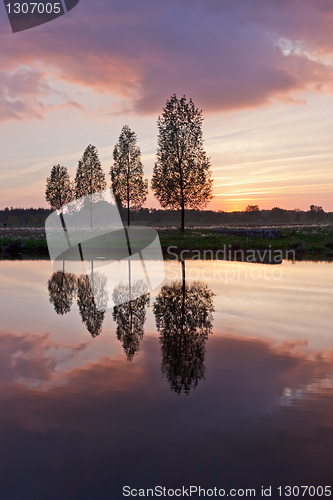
(181, 177)
(127, 180)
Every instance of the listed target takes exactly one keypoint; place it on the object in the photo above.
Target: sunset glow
(263, 81)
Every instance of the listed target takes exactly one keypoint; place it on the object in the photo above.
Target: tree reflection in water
(183, 315)
(62, 288)
(92, 299)
(130, 315)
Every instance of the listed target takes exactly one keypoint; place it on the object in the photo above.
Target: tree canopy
(127, 181)
(90, 177)
(316, 208)
(59, 189)
(182, 176)
(252, 208)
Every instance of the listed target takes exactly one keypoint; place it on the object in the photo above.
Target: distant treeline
(24, 217)
(274, 216)
(35, 217)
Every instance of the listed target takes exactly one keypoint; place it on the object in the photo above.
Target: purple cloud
(225, 55)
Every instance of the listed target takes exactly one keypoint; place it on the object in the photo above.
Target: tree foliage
(59, 189)
(316, 209)
(182, 176)
(90, 177)
(127, 181)
(252, 208)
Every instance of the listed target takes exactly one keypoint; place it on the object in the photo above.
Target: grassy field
(15, 242)
(304, 242)
(307, 242)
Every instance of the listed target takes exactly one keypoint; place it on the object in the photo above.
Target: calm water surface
(223, 381)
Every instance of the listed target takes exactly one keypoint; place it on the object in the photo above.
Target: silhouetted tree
(130, 315)
(316, 213)
(183, 315)
(252, 208)
(90, 178)
(59, 189)
(181, 177)
(127, 181)
(62, 287)
(316, 208)
(92, 302)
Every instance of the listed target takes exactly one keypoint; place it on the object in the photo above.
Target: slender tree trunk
(183, 297)
(91, 198)
(129, 282)
(128, 193)
(65, 229)
(92, 279)
(182, 227)
(130, 295)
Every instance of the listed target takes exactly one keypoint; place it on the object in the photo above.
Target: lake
(221, 379)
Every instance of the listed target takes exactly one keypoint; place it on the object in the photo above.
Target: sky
(261, 71)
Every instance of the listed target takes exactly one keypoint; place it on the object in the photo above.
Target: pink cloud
(19, 92)
(19, 109)
(225, 55)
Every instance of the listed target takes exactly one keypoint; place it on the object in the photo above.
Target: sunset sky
(261, 71)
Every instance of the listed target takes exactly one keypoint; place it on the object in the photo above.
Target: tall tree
(90, 178)
(59, 189)
(181, 177)
(128, 184)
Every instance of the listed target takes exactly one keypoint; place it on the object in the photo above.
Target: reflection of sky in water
(74, 411)
(294, 311)
(297, 307)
